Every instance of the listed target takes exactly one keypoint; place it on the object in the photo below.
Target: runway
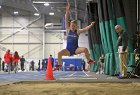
(61, 76)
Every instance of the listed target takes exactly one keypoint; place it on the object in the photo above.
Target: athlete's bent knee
(85, 50)
(59, 53)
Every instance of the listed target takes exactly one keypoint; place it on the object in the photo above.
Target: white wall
(54, 43)
(29, 42)
(25, 40)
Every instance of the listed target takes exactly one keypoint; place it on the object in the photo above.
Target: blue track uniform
(72, 42)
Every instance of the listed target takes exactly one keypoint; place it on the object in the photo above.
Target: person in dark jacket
(38, 66)
(0, 63)
(52, 60)
(32, 63)
(122, 44)
(22, 61)
(83, 64)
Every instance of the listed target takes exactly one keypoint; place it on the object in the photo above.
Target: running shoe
(91, 62)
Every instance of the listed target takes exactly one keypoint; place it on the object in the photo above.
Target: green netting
(109, 16)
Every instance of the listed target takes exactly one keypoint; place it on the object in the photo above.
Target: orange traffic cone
(49, 72)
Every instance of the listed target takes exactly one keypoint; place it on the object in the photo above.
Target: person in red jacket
(15, 61)
(7, 61)
(11, 61)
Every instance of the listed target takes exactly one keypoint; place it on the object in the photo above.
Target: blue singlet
(72, 42)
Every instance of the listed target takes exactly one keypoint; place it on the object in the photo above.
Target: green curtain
(94, 35)
(110, 13)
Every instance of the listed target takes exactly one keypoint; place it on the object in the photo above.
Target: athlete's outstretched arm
(87, 27)
(67, 16)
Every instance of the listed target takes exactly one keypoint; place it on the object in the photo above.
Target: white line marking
(62, 73)
(109, 78)
(73, 73)
(75, 78)
(85, 73)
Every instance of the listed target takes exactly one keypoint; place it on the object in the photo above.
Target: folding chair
(134, 72)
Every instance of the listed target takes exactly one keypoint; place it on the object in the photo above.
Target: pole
(44, 44)
(137, 23)
(76, 15)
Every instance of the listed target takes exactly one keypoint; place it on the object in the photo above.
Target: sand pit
(71, 89)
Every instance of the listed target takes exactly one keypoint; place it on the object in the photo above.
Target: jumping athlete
(72, 47)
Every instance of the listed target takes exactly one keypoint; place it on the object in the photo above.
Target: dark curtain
(111, 13)
(94, 35)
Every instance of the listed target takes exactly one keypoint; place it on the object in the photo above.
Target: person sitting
(71, 67)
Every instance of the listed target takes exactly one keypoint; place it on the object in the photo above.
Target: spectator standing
(7, 61)
(15, 61)
(39, 65)
(83, 64)
(32, 65)
(52, 60)
(22, 61)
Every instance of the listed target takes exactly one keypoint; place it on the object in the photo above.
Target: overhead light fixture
(39, 2)
(36, 14)
(48, 24)
(46, 4)
(52, 8)
(58, 10)
(0, 6)
(15, 12)
(51, 13)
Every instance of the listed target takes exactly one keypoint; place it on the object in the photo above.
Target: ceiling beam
(40, 2)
